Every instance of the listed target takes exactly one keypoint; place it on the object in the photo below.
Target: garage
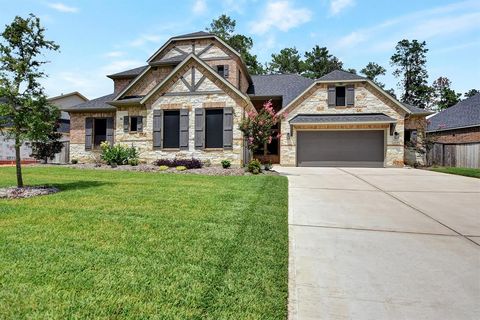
(348, 148)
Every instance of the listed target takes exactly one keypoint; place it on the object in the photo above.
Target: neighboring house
(7, 146)
(455, 133)
(189, 99)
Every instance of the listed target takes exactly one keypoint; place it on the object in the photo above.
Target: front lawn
(468, 172)
(128, 245)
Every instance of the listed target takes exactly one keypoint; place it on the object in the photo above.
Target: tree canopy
(443, 96)
(288, 60)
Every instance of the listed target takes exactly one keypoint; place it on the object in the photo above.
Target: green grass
(124, 245)
(468, 172)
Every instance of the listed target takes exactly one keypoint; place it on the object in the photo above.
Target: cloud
(280, 15)
(144, 39)
(62, 7)
(120, 65)
(337, 6)
(199, 7)
(114, 54)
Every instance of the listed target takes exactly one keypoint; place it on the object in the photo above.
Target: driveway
(383, 244)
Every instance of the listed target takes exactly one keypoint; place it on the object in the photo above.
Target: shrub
(118, 154)
(163, 168)
(267, 166)
(226, 164)
(181, 168)
(133, 162)
(74, 161)
(188, 163)
(254, 166)
(207, 163)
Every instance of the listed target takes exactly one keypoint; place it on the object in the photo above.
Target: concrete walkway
(383, 244)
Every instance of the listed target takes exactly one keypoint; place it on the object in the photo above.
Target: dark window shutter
(126, 123)
(331, 96)
(228, 128)
(110, 130)
(350, 95)
(225, 71)
(139, 124)
(88, 133)
(157, 128)
(184, 129)
(199, 128)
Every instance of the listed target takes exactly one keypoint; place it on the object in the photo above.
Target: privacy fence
(465, 155)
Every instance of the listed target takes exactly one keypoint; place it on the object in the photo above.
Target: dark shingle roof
(415, 110)
(197, 34)
(94, 104)
(340, 75)
(128, 73)
(466, 113)
(289, 86)
(333, 118)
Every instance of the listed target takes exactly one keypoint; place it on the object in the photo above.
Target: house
(190, 97)
(7, 146)
(455, 134)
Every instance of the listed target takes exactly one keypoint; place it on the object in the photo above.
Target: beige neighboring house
(7, 147)
(190, 97)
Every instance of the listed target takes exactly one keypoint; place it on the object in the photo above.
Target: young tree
(224, 28)
(44, 150)
(319, 62)
(258, 127)
(443, 95)
(470, 93)
(24, 106)
(288, 60)
(410, 60)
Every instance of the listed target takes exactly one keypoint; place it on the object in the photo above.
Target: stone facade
(416, 154)
(367, 100)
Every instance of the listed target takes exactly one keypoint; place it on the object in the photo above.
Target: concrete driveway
(383, 244)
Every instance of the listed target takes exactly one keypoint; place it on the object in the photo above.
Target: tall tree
(319, 62)
(443, 96)
(410, 60)
(288, 60)
(224, 28)
(372, 71)
(24, 105)
(470, 93)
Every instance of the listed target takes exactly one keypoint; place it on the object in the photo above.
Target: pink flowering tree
(258, 128)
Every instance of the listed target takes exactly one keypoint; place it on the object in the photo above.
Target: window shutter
(110, 130)
(88, 133)
(225, 71)
(157, 128)
(350, 95)
(139, 124)
(183, 129)
(199, 128)
(228, 128)
(331, 96)
(125, 123)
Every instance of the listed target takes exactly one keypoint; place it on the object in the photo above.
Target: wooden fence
(63, 156)
(454, 155)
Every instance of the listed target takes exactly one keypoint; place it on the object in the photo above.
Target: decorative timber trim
(204, 50)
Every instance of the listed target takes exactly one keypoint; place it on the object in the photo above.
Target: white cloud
(280, 15)
(337, 6)
(120, 65)
(62, 7)
(199, 7)
(144, 39)
(114, 54)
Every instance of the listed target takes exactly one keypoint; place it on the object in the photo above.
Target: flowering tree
(258, 128)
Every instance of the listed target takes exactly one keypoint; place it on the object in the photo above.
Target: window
(171, 129)
(133, 123)
(99, 131)
(221, 71)
(214, 128)
(340, 96)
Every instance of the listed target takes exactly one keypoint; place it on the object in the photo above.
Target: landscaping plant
(254, 166)
(226, 164)
(188, 163)
(118, 154)
(181, 168)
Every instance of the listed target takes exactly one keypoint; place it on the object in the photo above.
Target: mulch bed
(209, 171)
(26, 192)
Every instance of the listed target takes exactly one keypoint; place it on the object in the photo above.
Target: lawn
(136, 245)
(468, 172)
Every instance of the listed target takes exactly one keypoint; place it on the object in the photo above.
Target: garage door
(340, 148)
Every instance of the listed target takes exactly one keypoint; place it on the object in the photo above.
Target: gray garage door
(340, 148)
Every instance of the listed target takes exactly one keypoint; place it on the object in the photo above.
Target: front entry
(362, 148)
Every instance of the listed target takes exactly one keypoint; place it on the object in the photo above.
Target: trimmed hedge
(187, 163)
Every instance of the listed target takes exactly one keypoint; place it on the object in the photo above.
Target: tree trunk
(265, 149)
(18, 164)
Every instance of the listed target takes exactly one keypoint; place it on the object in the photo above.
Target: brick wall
(466, 135)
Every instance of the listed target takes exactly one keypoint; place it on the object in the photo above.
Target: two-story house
(189, 99)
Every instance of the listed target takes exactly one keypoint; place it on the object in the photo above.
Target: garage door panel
(341, 148)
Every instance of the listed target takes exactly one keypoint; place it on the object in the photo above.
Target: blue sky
(104, 37)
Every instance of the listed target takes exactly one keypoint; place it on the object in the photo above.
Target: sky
(97, 38)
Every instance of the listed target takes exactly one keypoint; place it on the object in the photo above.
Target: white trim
(343, 122)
